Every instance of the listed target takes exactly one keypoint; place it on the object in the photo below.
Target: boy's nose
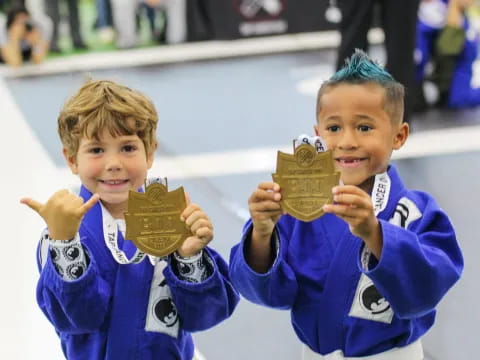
(113, 163)
(348, 141)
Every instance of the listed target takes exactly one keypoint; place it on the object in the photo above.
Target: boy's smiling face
(111, 168)
(353, 122)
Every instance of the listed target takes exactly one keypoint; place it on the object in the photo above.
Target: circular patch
(186, 269)
(74, 271)
(166, 312)
(72, 252)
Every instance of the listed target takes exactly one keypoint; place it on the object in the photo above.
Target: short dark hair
(361, 69)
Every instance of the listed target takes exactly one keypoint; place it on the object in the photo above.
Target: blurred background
(233, 81)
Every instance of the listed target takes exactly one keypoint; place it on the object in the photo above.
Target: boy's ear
(71, 161)
(315, 128)
(401, 135)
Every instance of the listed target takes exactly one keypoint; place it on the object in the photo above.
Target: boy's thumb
(32, 204)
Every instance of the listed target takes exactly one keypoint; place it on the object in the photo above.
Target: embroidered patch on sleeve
(406, 212)
(369, 304)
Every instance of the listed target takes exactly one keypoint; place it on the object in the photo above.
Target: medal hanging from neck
(153, 219)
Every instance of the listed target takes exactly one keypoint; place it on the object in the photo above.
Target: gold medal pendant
(306, 179)
(153, 220)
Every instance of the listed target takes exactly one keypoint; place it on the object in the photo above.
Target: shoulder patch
(405, 213)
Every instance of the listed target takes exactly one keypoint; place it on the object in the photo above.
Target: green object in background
(88, 15)
(449, 44)
(450, 41)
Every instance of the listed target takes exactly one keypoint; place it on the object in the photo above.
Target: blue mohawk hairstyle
(361, 68)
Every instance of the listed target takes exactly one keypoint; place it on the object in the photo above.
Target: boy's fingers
(345, 211)
(353, 200)
(205, 234)
(195, 216)
(200, 223)
(89, 204)
(265, 206)
(262, 195)
(350, 189)
(32, 204)
(189, 210)
(267, 185)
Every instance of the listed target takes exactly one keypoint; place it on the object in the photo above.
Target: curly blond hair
(105, 105)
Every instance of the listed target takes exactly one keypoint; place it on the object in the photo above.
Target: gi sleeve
(202, 305)
(420, 261)
(77, 304)
(192, 269)
(277, 288)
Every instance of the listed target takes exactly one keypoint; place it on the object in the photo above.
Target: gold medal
(306, 179)
(153, 220)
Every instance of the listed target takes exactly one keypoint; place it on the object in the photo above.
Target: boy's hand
(200, 226)
(62, 213)
(354, 205)
(265, 210)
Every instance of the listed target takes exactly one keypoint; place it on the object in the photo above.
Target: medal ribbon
(110, 234)
(380, 194)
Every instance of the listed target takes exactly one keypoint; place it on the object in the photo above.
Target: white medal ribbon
(316, 141)
(380, 194)
(110, 234)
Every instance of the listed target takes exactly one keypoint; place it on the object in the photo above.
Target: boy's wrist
(373, 239)
(261, 236)
(61, 235)
(179, 256)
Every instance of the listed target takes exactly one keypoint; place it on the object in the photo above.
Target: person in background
(447, 40)
(398, 21)
(53, 11)
(21, 39)
(125, 14)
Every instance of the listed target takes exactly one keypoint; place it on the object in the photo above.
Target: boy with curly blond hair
(105, 298)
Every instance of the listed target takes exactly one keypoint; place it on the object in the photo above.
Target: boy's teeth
(113, 182)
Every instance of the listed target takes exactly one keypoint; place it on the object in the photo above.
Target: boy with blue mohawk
(362, 281)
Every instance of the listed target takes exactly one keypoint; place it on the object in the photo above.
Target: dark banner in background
(237, 19)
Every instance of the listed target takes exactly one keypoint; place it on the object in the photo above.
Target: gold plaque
(306, 179)
(153, 220)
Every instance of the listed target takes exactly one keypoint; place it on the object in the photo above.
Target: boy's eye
(95, 150)
(333, 128)
(129, 148)
(364, 128)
